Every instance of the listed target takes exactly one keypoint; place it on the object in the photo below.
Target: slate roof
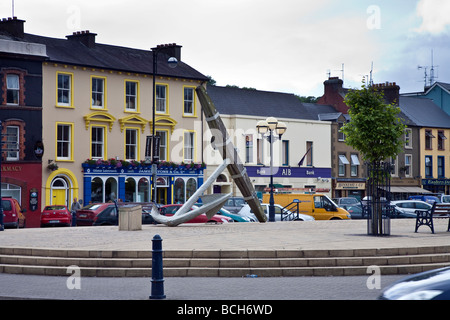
(236, 101)
(424, 112)
(108, 57)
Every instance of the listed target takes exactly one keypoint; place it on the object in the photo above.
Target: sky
(290, 46)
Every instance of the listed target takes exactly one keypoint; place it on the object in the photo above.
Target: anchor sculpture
(212, 203)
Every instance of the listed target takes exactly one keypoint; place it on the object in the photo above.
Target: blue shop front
(103, 183)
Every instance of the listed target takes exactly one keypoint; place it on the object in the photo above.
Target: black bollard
(157, 269)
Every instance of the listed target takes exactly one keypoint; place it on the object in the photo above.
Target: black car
(429, 285)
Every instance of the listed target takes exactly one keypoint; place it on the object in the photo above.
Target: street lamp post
(271, 125)
(172, 62)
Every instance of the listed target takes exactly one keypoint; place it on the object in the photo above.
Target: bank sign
(289, 172)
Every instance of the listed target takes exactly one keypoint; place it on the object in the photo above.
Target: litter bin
(130, 218)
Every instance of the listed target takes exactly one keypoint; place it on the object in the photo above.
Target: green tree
(375, 128)
(376, 131)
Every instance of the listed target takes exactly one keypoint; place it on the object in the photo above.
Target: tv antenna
(431, 78)
(12, 9)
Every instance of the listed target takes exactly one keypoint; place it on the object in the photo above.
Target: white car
(246, 210)
(407, 208)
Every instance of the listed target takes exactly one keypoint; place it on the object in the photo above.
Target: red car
(88, 214)
(13, 214)
(56, 215)
(170, 209)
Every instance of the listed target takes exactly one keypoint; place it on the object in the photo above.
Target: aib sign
(289, 172)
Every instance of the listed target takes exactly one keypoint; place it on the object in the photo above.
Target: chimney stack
(12, 26)
(390, 90)
(171, 49)
(84, 37)
(333, 85)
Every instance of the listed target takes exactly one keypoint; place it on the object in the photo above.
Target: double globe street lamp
(267, 128)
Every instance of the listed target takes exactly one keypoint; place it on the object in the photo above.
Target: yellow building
(435, 167)
(98, 113)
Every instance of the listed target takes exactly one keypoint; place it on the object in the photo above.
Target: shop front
(349, 188)
(438, 186)
(22, 181)
(175, 184)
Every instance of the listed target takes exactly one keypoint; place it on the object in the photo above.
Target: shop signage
(11, 168)
(290, 172)
(436, 182)
(351, 185)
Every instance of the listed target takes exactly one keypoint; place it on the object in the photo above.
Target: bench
(437, 211)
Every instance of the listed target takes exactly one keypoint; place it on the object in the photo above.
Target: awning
(355, 160)
(343, 159)
(409, 190)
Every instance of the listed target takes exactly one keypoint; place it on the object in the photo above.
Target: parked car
(56, 215)
(320, 206)
(236, 217)
(356, 211)
(171, 209)
(278, 210)
(428, 199)
(428, 285)
(445, 198)
(106, 213)
(13, 214)
(87, 214)
(234, 204)
(347, 201)
(407, 208)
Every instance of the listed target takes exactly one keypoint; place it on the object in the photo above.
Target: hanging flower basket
(52, 166)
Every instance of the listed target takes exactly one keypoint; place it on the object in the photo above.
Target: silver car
(407, 208)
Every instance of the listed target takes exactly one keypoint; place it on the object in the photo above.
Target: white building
(305, 139)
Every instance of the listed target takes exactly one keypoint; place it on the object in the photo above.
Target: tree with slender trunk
(375, 130)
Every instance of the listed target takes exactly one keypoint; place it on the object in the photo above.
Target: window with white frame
(189, 101)
(131, 96)
(354, 165)
(341, 135)
(162, 145)
(161, 98)
(12, 143)
(248, 148)
(343, 161)
(64, 89)
(98, 142)
(408, 138)
(12, 89)
(64, 142)
(408, 165)
(98, 92)
(131, 144)
(394, 169)
(189, 146)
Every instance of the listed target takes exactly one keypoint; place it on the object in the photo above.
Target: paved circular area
(314, 235)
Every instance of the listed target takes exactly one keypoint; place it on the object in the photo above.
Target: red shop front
(22, 181)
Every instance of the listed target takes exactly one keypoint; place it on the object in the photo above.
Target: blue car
(427, 199)
(429, 285)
